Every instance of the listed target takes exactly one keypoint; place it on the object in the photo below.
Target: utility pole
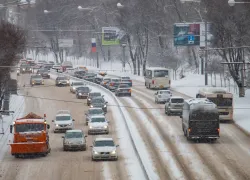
(123, 56)
(206, 53)
(97, 60)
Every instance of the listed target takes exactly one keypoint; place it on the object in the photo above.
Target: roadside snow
(173, 166)
(17, 104)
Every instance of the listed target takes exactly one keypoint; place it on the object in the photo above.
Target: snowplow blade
(29, 148)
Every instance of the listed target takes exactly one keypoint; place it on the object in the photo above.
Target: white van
(157, 78)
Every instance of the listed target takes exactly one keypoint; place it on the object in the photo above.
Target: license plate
(161, 86)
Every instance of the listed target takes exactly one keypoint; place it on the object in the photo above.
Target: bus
(157, 78)
(222, 98)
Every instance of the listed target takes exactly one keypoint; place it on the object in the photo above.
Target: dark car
(25, 68)
(82, 92)
(93, 112)
(89, 77)
(127, 80)
(93, 95)
(98, 79)
(62, 81)
(123, 90)
(99, 102)
(79, 74)
(113, 84)
(105, 82)
(44, 73)
(47, 66)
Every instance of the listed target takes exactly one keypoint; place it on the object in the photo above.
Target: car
(126, 82)
(126, 78)
(105, 81)
(174, 105)
(62, 81)
(63, 121)
(104, 148)
(93, 95)
(74, 140)
(113, 84)
(98, 124)
(123, 90)
(44, 73)
(56, 67)
(98, 79)
(89, 77)
(52, 62)
(25, 68)
(82, 92)
(79, 74)
(92, 112)
(36, 80)
(47, 66)
(99, 102)
(76, 84)
(162, 96)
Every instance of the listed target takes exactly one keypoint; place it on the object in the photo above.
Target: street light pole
(206, 53)
(123, 56)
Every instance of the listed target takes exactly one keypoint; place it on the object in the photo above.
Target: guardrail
(124, 118)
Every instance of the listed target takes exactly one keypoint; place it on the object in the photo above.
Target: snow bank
(17, 104)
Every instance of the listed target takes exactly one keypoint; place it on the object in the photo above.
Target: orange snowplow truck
(30, 136)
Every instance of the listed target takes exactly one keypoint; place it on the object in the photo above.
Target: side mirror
(48, 126)
(117, 145)
(63, 137)
(11, 126)
(73, 120)
(53, 120)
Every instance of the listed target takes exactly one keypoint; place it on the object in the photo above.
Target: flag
(93, 42)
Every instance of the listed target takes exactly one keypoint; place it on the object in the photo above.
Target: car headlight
(91, 106)
(80, 94)
(74, 88)
(30, 68)
(105, 127)
(95, 152)
(105, 105)
(23, 69)
(113, 152)
(69, 124)
(57, 125)
(68, 82)
(89, 99)
(90, 127)
(67, 142)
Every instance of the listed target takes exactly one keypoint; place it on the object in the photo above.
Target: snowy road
(60, 165)
(228, 158)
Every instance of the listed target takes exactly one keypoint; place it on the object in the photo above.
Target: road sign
(110, 36)
(65, 43)
(191, 39)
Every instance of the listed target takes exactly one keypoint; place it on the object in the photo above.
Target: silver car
(74, 140)
(162, 96)
(174, 105)
(93, 112)
(36, 79)
(104, 148)
(98, 124)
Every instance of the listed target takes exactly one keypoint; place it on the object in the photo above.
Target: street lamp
(46, 11)
(119, 5)
(232, 2)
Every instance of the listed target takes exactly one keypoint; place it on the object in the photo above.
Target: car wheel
(166, 110)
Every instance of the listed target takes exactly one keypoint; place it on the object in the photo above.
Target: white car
(76, 84)
(63, 121)
(104, 148)
(98, 125)
(162, 96)
(174, 105)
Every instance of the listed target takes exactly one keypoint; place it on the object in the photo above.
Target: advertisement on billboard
(191, 34)
(110, 36)
(186, 34)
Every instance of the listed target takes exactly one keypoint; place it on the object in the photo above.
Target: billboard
(191, 34)
(110, 36)
(65, 43)
(186, 34)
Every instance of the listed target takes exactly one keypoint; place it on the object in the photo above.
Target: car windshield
(85, 89)
(175, 100)
(126, 78)
(42, 71)
(95, 94)
(104, 143)
(69, 135)
(63, 118)
(95, 111)
(115, 80)
(36, 77)
(99, 119)
(106, 80)
(61, 78)
(78, 83)
(29, 127)
(160, 73)
(90, 74)
(123, 86)
(222, 101)
(164, 92)
(97, 101)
